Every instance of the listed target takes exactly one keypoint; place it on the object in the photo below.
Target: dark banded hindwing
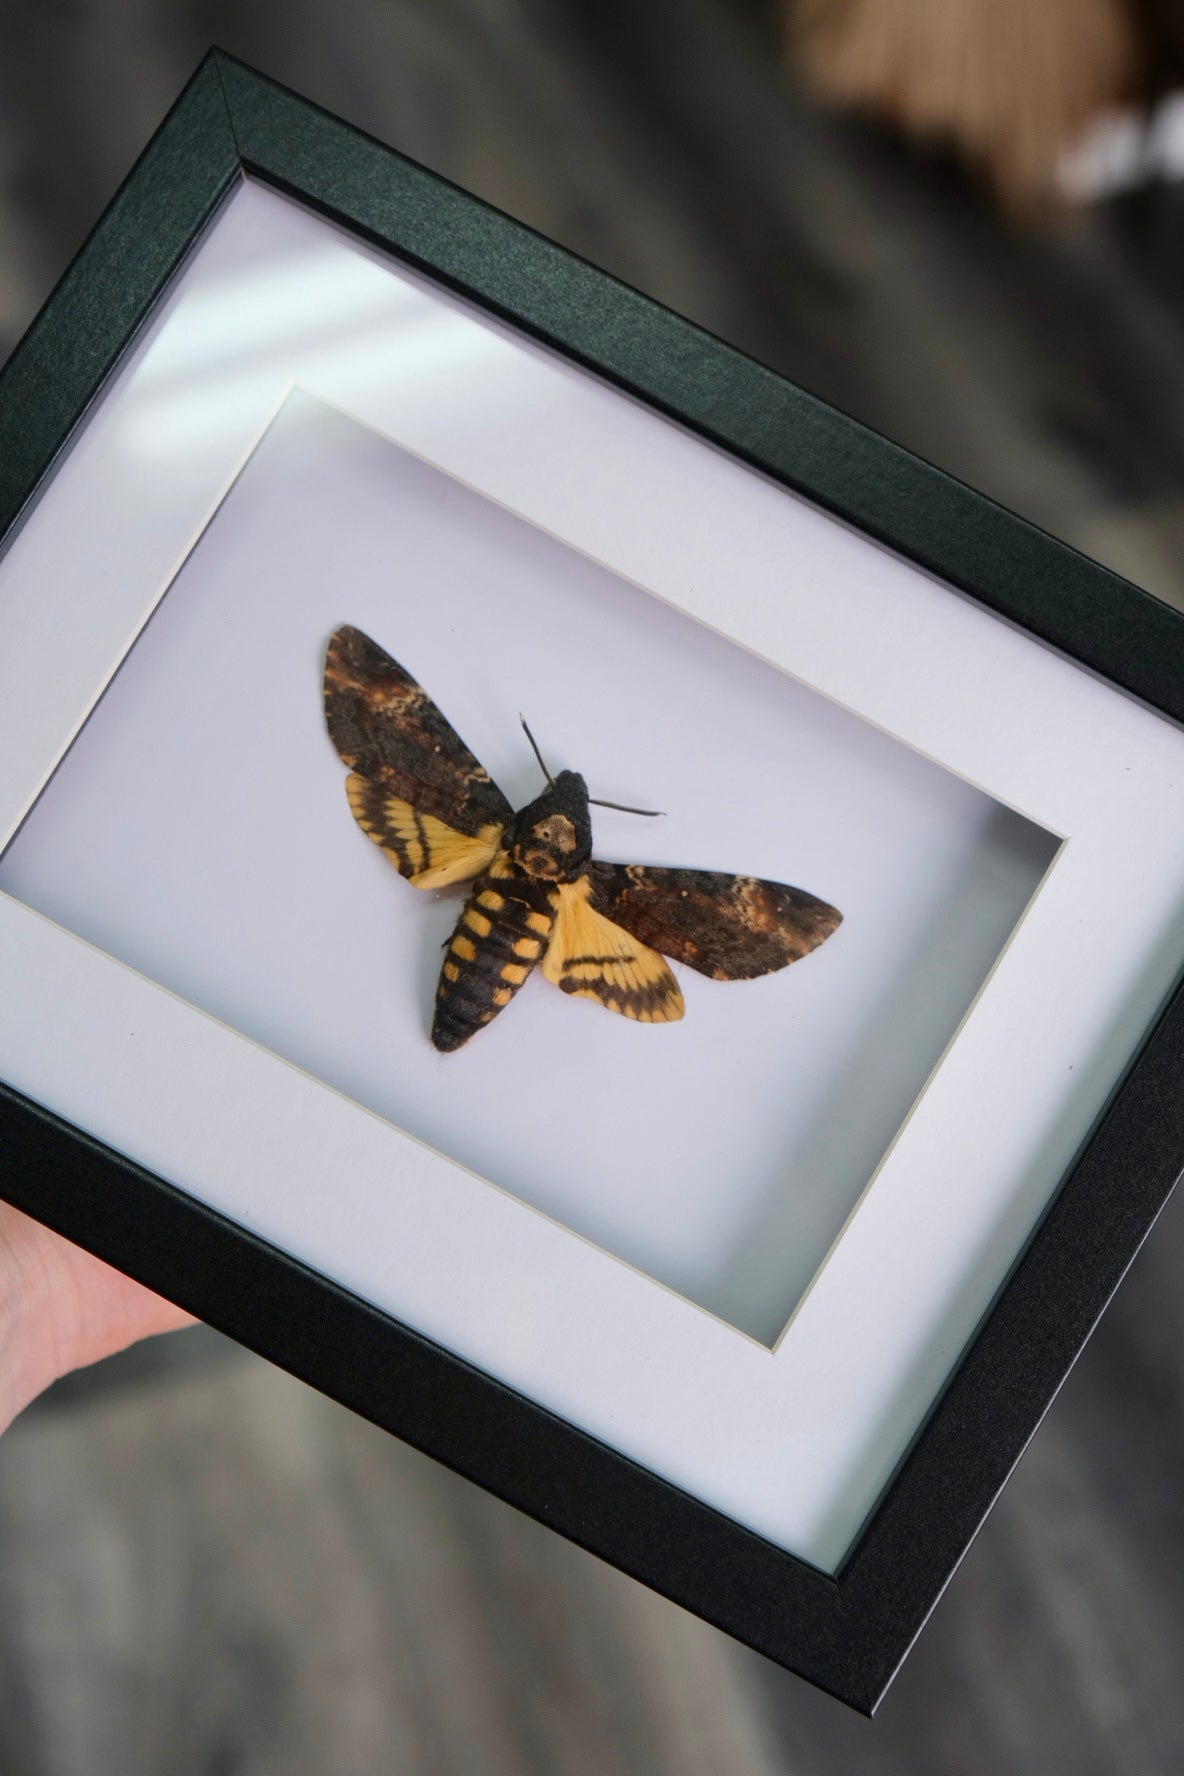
(422, 848)
(590, 957)
(387, 729)
(500, 937)
(728, 927)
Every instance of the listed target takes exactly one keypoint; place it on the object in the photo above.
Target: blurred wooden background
(206, 1568)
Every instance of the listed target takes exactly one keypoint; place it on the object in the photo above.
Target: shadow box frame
(849, 1631)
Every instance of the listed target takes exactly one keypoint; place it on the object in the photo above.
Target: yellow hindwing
(422, 848)
(591, 958)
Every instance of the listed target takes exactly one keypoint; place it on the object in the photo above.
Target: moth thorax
(548, 848)
(552, 836)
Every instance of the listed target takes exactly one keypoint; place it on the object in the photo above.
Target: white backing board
(198, 831)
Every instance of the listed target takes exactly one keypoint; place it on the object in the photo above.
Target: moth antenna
(534, 748)
(650, 813)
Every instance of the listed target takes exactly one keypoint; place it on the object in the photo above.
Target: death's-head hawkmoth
(538, 898)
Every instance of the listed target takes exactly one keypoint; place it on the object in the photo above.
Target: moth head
(552, 836)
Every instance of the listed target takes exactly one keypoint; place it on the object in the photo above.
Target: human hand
(61, 1309)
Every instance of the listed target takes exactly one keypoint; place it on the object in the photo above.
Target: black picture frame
(846, 1633)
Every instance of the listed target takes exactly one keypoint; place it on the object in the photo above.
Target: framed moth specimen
(597, 930)
(761, 1305)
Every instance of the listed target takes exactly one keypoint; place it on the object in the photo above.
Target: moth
(539, 899)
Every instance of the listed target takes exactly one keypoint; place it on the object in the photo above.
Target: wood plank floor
(216, 1569)
(203, 1566)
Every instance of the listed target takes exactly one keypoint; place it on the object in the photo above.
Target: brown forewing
(385, 726)
(728, 927)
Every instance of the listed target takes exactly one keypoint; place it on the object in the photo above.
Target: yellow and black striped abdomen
(501, 935)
